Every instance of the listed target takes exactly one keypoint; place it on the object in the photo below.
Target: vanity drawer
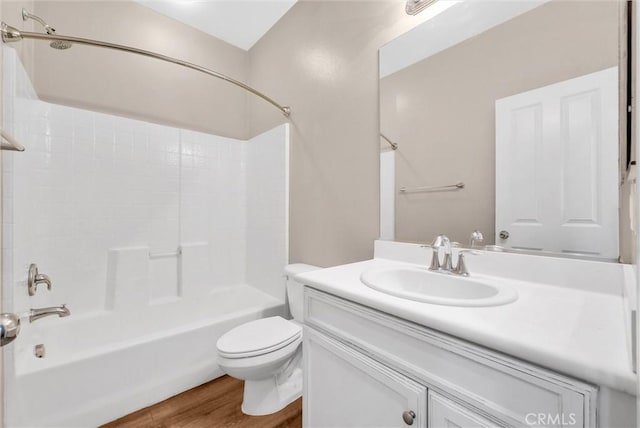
(490, 382)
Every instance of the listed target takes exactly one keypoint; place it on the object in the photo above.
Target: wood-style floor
(214, 404)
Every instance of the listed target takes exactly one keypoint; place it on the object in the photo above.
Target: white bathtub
(100, 367)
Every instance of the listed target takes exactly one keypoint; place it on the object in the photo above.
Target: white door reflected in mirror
(557, 167)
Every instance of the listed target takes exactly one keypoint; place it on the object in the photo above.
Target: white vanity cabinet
(366, 368)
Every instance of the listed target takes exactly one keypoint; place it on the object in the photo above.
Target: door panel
(524, 191)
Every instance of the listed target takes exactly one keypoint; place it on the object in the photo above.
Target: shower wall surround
(103, 204)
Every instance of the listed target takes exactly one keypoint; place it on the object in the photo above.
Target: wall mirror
(509, 118)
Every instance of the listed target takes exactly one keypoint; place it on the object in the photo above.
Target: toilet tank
(295, 296)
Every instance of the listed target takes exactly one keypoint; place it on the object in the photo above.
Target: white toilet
(267, 354)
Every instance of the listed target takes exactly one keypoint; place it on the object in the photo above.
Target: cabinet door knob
(408, 416)
(504, 234)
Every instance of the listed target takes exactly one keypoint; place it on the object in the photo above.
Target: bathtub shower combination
(157, 239)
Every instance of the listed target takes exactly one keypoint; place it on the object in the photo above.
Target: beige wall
(441, 110)
(322, 59)
(135, 86)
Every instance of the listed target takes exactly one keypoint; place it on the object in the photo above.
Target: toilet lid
(258, 337)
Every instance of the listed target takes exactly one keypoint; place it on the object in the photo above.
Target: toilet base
(266, 396)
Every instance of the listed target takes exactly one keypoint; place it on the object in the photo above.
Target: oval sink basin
(423, 285)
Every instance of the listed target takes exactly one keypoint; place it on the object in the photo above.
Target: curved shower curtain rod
(12, 34)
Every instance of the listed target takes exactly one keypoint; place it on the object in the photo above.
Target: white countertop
(570, 330)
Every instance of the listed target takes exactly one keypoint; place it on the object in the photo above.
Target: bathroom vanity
(556, 357)
(524, 340)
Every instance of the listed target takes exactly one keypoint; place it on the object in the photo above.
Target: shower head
(56, 44)
(61, 44)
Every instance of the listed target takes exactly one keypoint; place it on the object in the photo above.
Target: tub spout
(60, 311)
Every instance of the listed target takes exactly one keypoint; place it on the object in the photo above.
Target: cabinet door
(344, 388)
(444, 413)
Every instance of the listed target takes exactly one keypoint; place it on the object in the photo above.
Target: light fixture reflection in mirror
(414, 7)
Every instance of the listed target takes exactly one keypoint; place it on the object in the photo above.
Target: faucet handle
(36, 279)
(435, 258)
(461, 266)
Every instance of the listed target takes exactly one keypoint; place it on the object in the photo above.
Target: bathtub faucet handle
(35, 279)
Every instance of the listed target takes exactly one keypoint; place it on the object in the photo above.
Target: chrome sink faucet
(447, 266)
(60, 311)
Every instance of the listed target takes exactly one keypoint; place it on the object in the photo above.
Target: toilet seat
(258, 337)
(260, 366)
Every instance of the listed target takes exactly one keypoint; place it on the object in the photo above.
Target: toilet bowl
(267, 354)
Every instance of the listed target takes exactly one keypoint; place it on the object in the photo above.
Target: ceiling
(239, 22)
